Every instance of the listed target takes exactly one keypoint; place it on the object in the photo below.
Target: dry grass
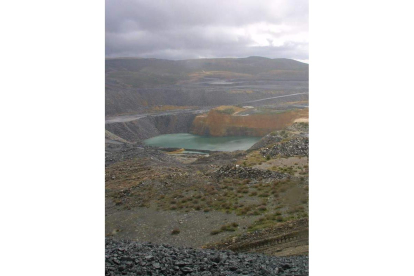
(231, 227)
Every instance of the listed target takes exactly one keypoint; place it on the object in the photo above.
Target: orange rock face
(217, 123)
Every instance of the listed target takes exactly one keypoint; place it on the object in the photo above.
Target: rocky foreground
(133, 258)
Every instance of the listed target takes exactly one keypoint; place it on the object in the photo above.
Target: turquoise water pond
(196, 142)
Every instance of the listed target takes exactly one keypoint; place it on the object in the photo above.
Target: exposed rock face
(217, 123)
(151, 126)
(132, 258)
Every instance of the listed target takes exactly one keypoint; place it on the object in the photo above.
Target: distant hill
(139, 72)
(134, 84)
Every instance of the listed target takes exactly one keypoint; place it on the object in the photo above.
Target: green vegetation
(266, 221)
(229, 110)
(289, 170)
(271, 219)
(270, 201)
(231, 227)
(229, 195)
(145, 79)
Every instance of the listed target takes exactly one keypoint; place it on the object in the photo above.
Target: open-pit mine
(209, 154)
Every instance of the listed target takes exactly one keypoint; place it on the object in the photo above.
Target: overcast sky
(184, 29)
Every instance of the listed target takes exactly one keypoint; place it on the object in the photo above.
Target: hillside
(135, 85)
(253, 200)
(245, 201)
(149, 72)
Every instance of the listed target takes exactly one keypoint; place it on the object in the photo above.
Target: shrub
(253, 213)
(225, 205)
(229, 227)
(215, 232)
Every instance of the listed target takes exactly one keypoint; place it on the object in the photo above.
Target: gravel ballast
(133, 258)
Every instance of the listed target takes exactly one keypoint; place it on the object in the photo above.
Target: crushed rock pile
(298, 146)
(265, 141)
(133, 258)
(119, 153)
(301, 127)
(237, 171)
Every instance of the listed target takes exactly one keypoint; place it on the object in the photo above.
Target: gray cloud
(181, 29)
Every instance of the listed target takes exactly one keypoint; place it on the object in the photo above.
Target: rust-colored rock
(219, 123)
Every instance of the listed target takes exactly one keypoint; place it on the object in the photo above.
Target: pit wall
(217, 123)
(148, 127)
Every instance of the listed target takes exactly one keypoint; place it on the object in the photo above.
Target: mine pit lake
(196, 142)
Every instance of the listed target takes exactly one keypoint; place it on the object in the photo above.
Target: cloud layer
(183, 29)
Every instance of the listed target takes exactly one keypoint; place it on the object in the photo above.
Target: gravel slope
(133, 258)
